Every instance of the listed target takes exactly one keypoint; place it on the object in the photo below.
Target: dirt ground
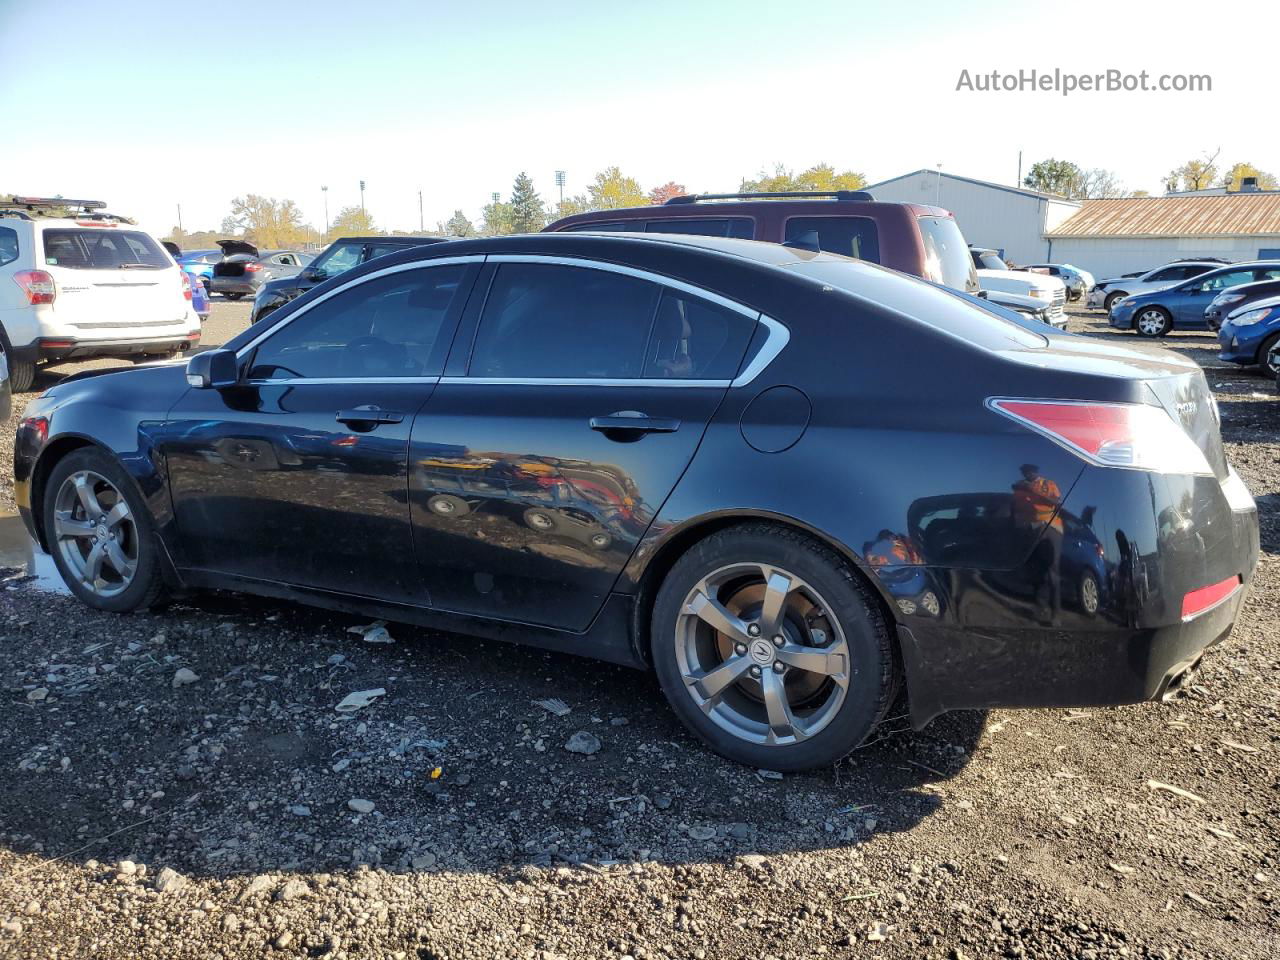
(230, 811)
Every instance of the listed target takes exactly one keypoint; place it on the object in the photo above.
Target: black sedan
(788, 482)
(1235, 299)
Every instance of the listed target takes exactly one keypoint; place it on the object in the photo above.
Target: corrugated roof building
(1110, 237)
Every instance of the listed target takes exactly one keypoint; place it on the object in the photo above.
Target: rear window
(927, 304)
(946, 255)
(740, 228)
(8, 245)
(855, 237)
(100, 249)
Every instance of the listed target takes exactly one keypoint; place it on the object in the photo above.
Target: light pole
(324, 191)
(362, 196)
(180, 218)
(560, 184)
(421, 227)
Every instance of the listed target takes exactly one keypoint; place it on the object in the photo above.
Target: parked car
(920, 240)
(243, 268)
(1031, 307)
(1236, 298)
(1107, 293)
(6, 389)
(639, 449)
(1183, 305)
(86, 285)
(1250, 335)
(337, 258)
(200, 263)
(1078, 282)
(994, 275)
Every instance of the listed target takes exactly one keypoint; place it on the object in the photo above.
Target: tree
(528, 213)
(458, 226)
(1195, 174)
(665, 192)
(1053, 176)
(497, 219)
(1097, 183)
(821, 176)
(352, 222)
(266, 221)
(571, 205)
(1233, 177)
(611, 190)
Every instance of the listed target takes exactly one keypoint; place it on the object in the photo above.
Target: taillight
(1134, 436)
(186, 285)
(37, 285)
(1206, 598)
(252, 266)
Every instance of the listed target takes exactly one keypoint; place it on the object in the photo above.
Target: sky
(150, 105)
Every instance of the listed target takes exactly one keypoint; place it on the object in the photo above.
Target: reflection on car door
(299, 474)
(538, 466)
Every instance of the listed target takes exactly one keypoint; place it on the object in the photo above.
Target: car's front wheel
(1110, 302)
(100, 533)
(771, 649)
(1153, 321)
(1268, 357)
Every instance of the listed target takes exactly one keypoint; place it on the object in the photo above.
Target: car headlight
(1252, 317)
(1040, 294)
(1226, 298)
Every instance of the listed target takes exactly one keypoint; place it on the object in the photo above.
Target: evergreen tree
(528, 214)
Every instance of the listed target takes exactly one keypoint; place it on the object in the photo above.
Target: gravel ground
(180, 784)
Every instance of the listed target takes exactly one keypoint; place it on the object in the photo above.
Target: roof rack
(28, 208)
(33, 203)
(854, 196)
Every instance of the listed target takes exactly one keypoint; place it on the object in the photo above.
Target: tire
(1110, 302)
(827, 607)
(449, 506)
(1152, 322)
(132, 535)
(1264, 353)
(1089, 594)
(22, 374)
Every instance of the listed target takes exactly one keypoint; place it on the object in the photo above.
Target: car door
(577, 399)
(1195, 295)
(298, 474)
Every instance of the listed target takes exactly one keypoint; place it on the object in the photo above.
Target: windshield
(934, 306)
(989, 261)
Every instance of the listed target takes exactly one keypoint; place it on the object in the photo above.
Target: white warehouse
(989, 214)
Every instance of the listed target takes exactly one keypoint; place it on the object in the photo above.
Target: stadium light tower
(560, 184)
(324, 191)
(362, 196)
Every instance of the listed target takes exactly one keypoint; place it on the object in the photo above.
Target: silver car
(244, 268)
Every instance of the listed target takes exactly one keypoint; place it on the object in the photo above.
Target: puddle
(21, 558)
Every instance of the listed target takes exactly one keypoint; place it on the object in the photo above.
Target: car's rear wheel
(1153, 321)
(771, 649)
(22, 374)
(100, 533)
(1112, 298)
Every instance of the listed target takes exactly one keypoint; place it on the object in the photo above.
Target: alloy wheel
(760, 655)
(95, 533)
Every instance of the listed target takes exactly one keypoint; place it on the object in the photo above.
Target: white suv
(86, 284)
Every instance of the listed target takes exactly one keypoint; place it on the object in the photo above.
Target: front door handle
(630, 423)
(368, 416)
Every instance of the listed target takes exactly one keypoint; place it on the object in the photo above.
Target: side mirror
(312, 274)
(213, 370)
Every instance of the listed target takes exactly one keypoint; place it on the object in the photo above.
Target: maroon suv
(920, 240)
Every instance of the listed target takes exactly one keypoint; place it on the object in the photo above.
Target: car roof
(718, 206)
(407, 241)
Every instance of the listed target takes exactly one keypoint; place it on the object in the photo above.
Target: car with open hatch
(77, 281)
(699, 456)
(244, 268)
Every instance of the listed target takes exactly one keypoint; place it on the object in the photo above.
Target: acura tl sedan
(786, 481)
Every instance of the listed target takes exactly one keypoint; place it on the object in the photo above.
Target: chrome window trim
(778, 335)
(354, 281)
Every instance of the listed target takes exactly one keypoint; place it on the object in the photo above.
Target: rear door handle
(368, 415)
(622, 423)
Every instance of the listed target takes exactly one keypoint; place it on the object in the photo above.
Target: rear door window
(609, 226)
(740, 228)
(552, 321)
(855, 237)
(100, 249)
(8, 245)
(694, 339)
(382, 249)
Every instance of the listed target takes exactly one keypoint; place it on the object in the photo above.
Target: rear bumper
(1095, 616)
(246, 285)
(64, 348)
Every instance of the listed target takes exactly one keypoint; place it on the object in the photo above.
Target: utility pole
(1019, 181)
(180, 230)
(362, 196)
(560, 184)
(325, 192)
(421, 227)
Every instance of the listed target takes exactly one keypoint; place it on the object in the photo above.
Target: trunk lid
(231, 247)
